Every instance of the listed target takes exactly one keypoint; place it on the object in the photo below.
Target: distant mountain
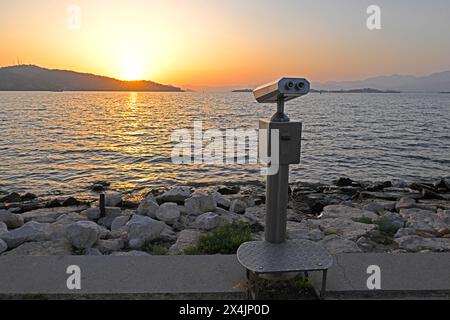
(364, 90)
(436, 82)
(33, 78)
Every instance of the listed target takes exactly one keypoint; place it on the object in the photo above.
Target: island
(364, 90)
(34, 78)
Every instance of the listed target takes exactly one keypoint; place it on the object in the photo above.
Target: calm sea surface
(61, 143)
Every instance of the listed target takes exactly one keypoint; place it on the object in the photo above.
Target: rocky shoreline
(345, 216)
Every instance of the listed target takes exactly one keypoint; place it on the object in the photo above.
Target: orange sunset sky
(227, 43)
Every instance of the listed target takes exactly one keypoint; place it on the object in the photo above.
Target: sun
(131, 65)
(131, 70)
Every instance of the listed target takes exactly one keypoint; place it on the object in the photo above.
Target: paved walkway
(217, 277)
(409, 275)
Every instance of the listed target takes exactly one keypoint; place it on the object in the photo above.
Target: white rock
(82, 234)
(148, 207)
(340, 211)
(113, 199)
(142, 229)
(30, 231)
(200, 203)
(335, 245)
(186, 239)
(221, 201)
(209, 221)
(405, 203)
(12, 220)
(3, 246)
(177, 194)
(238, 206)
(119, 222)
(416, 243)
(168, 212)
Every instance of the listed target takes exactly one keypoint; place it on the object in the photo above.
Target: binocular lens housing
(289, 85)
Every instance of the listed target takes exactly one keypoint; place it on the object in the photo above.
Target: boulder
(229, 190)
(402, 232)
(423, 220)
(3, 227)
(58, 228)
(12, 220)
(148, 207)
(119, 222)
(82, 234)
(238, 206)
(345, 228)
(405, 203)
(11, 198)
(50, 214)
(111, 215)
(441, 185)
(177, 195)
(29, 197)
(341, 211)
(335, 245)
(91, 252)
(209, 221)
(390, 222)
(142, 229)
(303, 230)
(113, 199)
(168, 212)
(168, 235)
(221, 201)
(379, 206)
(200, 203)
(343, 182)
(133, 253)
(3, 246)
(71, 201)
(416, 243)
(53, 204)
(109, 246)
(29, 232)
(45, 248)
(186, 239)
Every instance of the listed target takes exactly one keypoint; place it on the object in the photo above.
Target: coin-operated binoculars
(276, 257)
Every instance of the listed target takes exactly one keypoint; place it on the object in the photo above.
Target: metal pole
(276, 205)
(277, 193)
(102, 205)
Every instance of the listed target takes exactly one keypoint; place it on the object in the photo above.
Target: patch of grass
(222, 240)
(157, 248)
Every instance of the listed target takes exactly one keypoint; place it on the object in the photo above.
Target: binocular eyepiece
(284, 89)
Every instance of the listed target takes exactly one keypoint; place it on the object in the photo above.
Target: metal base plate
(290, 256)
